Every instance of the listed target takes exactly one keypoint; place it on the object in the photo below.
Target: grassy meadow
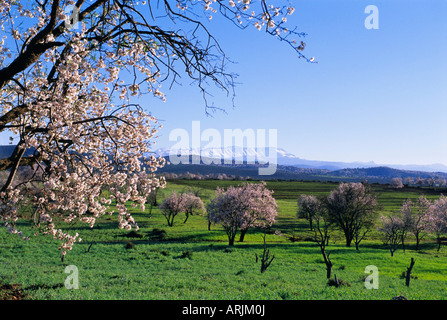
(188, 261)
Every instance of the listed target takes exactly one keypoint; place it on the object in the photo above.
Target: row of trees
(353, 209)
(209, 176)
(419, 218)
(237, 208)
(418, 181)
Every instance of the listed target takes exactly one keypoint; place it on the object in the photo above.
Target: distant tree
(436, 218)
(352, 208)
(177, 203)
(430, 182)
(396, 183)
(148, 191)
(152, 198)
(192, 205)
(408, 181)
(420, 181)
(172, 206)
(308, 206)
(242, 207)
(414, 215)
(321, 236)
(392, 228)
(407, 224)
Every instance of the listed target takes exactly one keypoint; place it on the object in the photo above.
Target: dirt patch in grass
(11, 292)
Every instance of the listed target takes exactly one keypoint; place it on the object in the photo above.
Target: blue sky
(375, 95)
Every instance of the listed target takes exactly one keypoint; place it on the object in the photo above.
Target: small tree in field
(414, 215)
(409, 181)
(308, 206)
(239, 208)
(352, 208)
(171, 207)
(321, 236)
(437, 218)
(392, 228)
(396, 183)
(192, 205)
(266, 258)
(260, 207)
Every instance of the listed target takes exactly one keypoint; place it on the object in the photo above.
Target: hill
(250, 171)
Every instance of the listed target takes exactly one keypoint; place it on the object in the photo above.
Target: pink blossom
(243, 207)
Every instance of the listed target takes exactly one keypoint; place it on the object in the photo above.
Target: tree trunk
(327, 261)
(231, 236)
(337, 283)
(242, 236)
(349, 238)
(170, 220)
(328, 270)
(408, 276)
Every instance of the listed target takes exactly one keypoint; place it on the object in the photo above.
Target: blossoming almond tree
(172, 206)
(242, 207)
(70, 83)
(308, 207)
(414, 215)
(392, 228)
(352, 207)
(436, 218)
(193, 205)
(176, 203)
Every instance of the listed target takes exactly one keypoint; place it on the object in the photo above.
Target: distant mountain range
(245, 162)
(285, 158)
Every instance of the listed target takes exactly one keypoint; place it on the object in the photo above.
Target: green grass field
(187, 261)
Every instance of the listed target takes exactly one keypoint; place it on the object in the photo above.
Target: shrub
(336, 282)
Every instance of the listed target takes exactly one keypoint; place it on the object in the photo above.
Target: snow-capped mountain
(246, 155)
